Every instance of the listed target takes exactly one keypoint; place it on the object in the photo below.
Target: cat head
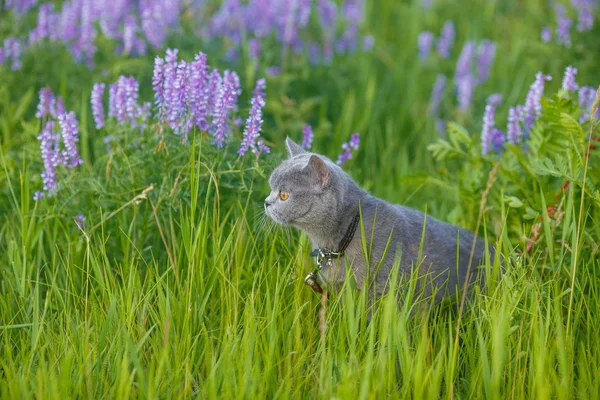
(306, 189)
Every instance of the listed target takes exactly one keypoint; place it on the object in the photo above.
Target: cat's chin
(274, 217)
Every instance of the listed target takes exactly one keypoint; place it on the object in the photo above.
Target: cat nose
(267, 203)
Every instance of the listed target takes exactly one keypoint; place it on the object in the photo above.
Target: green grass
(187, 291)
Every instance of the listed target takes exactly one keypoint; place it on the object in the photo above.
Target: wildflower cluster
(445, 42)
(347, 147)
(123, 103)
(564, 23)
(254, 122)
(522, 118)
(137, 25)
(58, 140)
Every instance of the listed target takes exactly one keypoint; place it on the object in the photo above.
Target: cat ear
(319, 169)
(292, 148)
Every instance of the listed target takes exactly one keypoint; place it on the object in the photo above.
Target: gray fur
(323, 199)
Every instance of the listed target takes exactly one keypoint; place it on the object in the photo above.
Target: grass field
(177, 286)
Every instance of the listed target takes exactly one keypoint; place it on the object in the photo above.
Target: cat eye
(284, 196)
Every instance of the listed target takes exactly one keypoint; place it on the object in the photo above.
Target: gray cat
(314, 194)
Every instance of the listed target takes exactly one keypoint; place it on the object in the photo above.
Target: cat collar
(315, 279)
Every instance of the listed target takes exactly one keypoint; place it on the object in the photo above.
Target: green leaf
(513, 202)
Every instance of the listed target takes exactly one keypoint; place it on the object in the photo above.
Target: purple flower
(254, 48)
(486, 55)
(157, 81)
(50, 157)
(464, 90)
(273, 71)
(368, 42)
(546, 34)
(494, 100)
(307, 137)
(80, 221)
(425, 42)
(347, 147)
(226, 100)
(12, 50)
(42, 29)
(446, 40)
(60, 106)
(254, 121)
(563, 25)
(196, 97)
(486, 130)
(47, 104)
(176, 100)
(497, 140)
(262, 147)
(463, 64)
(586, 99)
(585, 19)
(436, 94)
(97, 107)
(70, 136)
(327, 11)
(533, 106)
(513, 130)
(568, 83)
(129, 32)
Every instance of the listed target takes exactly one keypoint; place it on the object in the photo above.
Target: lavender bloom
(307, 137)
(70, 136)
(80, 221)
(486, 130)
(1, 56)
(327, 11)
(568, 83)
(513, 130)
(131, 88)
(177, 99)
(42, 30)
(497, 140)
(533, 107)
(586, 99)
(60, 107)
(273, 71)
(48, 147)
(440, 126)
(563, 25)
(225, 102)
(425, 42)
(196, 98)
(368, 43)
(446, 40)
(254, 49)
(12, 50)
(129, 31)
(584, 14)
(463, 64)
(262, 147)
(494, 100)
(157, 81)
(486, 55)
(436, 94)
(97, 107)
(254, 121)
(546, 34)
(47, 104)
(464, 88)
(352, 144)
